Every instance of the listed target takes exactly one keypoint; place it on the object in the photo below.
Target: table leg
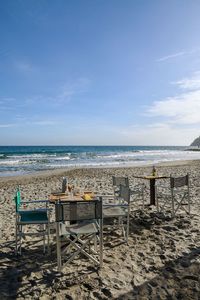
(152, 192)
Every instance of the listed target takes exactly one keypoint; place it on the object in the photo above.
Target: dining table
(59, 196)
(152, 180)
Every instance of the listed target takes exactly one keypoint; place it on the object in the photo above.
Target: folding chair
(119, 212)
(85, 235)
(117, 181)
(25, 216)
(135, 191)
(176, 195)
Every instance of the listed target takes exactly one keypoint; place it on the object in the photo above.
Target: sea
(19, 160)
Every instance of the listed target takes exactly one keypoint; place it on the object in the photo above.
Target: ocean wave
(15, 163)
(29, 156)
(63, 158)
(9, 162)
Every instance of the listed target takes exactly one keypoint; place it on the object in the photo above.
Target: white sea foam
(9, 162)
(30, 162)
(62, 158)
(29, 156)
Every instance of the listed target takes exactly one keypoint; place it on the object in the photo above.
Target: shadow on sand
(26, 275)
(178, 279)
(33, 272)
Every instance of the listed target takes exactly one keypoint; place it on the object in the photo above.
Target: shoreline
(64, 171)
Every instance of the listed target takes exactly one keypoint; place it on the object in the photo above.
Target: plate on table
(58, 194)
(88, 193)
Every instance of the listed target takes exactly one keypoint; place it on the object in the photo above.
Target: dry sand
(162, 260)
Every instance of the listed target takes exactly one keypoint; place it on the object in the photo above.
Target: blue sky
(99, 72)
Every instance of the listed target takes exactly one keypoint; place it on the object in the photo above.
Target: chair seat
(168, 193)
(33, 216)
(79, 228)
(115, 211)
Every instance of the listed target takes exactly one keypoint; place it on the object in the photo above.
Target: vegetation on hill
(196, 142)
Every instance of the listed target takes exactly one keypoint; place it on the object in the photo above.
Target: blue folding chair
(36, 216)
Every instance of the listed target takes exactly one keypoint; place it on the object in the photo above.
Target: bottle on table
(71, 189)
(153, 171)
(64, 185)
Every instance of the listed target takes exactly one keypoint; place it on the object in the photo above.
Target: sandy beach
(162, 260)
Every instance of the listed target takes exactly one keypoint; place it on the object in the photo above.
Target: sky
(99, 72)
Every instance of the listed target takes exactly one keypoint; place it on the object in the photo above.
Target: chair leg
(44, 237)
(189, 201)
(101, 244)
(58, 243)
(48, 233)
(122, 227)
(48, 238)
(156, 196)
(142, 199)
(16, 238)
(173, 210)
(20, 239)
(127, 225)
(127, 231)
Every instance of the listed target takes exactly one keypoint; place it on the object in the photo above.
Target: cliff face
(196, 142)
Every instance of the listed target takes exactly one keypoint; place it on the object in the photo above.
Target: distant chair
(117, 181)
(84, 236)
(137, 191)
(175, 196)
(25, 216)
(118, 212)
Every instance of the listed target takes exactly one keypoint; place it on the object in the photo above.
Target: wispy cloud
(158, 134)
(8, 104)
(26, 122)
(36, 120)
(189, 83)
(183, 108)
(63, 95)
(70, 89)
(24, 66)
(7, 125)
(174, 120)
(5, 100)
(168, 57)
(42, 122)
(178, 54)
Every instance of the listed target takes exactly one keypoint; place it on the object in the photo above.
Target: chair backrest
(17, 199)
(176, 182)
(117, 181)
(78, 210)
(124, 193)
